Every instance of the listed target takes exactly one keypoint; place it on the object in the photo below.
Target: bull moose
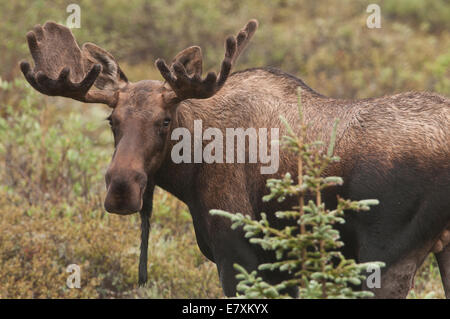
(395, 149)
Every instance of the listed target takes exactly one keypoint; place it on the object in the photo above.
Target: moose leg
(227, 276)
(443, 260)
(233, 248)
(229, 250)
(397, 280)
(397, 277)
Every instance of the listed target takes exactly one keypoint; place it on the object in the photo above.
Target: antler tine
(186, 86)
(63, 86)
(227, 63)
(60, 74)
(29, 75)
(243, 38)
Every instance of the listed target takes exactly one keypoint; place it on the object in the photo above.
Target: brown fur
(395, 148)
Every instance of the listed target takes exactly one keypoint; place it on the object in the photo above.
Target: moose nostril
(121, 187)
(124, 182)
(124, 194)
(107, 178)
(141, 179)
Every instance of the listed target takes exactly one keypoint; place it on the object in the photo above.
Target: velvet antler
(63, 69)
(184, 75)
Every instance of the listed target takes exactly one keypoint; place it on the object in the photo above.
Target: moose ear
(111, 77)
(191, 59)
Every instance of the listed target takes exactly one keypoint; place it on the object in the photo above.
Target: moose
(395, 149)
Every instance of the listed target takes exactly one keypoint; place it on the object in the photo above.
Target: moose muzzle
(125, 189)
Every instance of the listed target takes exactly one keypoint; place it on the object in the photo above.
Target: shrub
(51, 212)
(46, 158)
(327, 44)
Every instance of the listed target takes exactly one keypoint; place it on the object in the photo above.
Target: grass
(428, 284)
(38, 243)
(51, 212)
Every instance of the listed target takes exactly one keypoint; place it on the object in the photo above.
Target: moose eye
(166, 122)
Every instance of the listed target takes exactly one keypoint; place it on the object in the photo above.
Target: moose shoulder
(395, 149)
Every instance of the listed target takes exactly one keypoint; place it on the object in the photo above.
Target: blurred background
(54, 152)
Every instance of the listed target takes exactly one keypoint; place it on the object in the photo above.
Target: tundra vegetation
(54, 152)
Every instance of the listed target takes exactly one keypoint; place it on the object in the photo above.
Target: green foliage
(52, 162)
(325, 43)
(38, 242)
(428, 15)
(428, 284)
(44, 157)
(309, 250)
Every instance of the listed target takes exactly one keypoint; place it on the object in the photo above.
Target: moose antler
(62, 69)
(186, 85)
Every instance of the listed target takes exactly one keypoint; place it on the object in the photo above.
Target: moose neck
(253, 98)
(178, 179)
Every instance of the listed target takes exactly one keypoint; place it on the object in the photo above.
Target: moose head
(142, 112)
